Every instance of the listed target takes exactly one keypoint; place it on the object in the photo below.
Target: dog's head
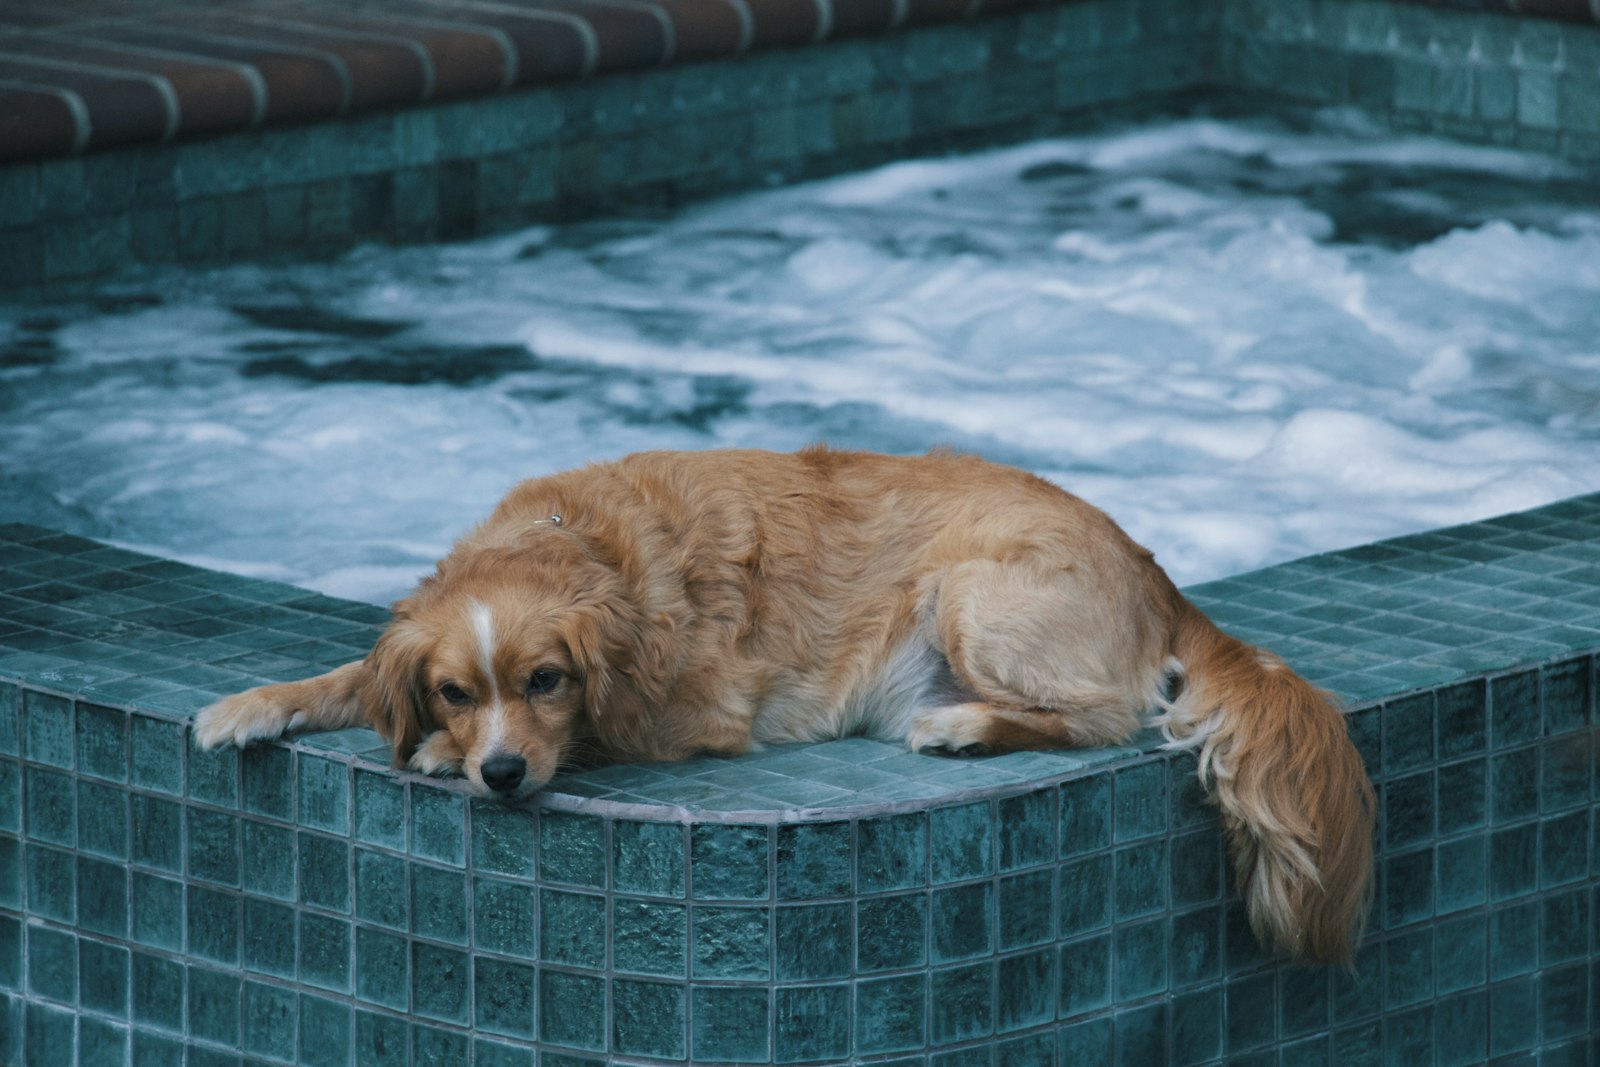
(517, 663)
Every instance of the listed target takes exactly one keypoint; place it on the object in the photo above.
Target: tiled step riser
(150, 892)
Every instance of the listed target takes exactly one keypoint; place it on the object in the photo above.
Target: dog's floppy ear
(396, 697)
(623, 673)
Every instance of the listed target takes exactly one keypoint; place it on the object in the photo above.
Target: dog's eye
(454, 694)
(543, 681)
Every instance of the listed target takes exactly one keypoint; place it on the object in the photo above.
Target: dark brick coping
(89, 74)
(1437, 611)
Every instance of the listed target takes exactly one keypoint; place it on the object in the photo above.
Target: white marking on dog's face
(494, 733)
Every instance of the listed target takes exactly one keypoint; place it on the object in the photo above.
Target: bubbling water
(1246, 339)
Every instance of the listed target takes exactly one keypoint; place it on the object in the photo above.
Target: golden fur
(715, 601)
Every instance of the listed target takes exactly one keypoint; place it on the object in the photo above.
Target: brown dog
(677, 603)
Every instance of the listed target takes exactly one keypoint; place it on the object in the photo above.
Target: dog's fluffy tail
(1296, 804)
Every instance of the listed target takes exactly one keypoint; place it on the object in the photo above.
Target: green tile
(1141, 951)
(572, 928)
(1304, 1001)
(730, 1025)
(1408, 969)
(213, 1006)
(268, 1017)
(503, 995)
(729, 862)
(572, 849)
(438, 826)
(324, 794)
(382, 968)
(267, 773)
(380, 809)
(1462, 719)
(1514, 709)
(11, 869)
(812, 941)
(385, 1041)
(1085, 815)
(1140, 879)
(649, 858)
(101, 1043)
(103, 819)
(1141, 1034)
(1564, 924)
(503, 841)
(1515, 784)
(52, 883)
(213, 845)
(213, 777)
(439, 982)
(1408, 733)
(812, 1023)
(1027, 909)
(891, 1014)
(1196, 1027)
(47, 729)
(156, 906)
(1085, 970)
(731, 942)
(504, 918)
(891, 932)
(158, 986)
(103, 897)
(1086, 1042)
(892, 852)
(1564, 843)
(962, 922)
(53, 964)
(439, 904)
(1568, 696)
(10, 796)
(961, 842)
(103, 977)
(1408, 810)
(50, 1028)
(649, 937)
(10, 719)
(1568, 778)
(962, 1003)
(1459, 953)
(213, 924)
(1026, 988)
(572, 1011)
(434, 1046)
(1462, 872)
(325, 871)
(1408, 887)
(269, 945)
(1027, 829)
(324, 1031)
(813, 860)
(380, 886)
(51, 813)
(269, 864)
(102, 742)
(324, 952)
(1462, 796)
(1249, 1021)
(1141, 801)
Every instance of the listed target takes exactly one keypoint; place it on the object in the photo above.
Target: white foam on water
(1247, 340)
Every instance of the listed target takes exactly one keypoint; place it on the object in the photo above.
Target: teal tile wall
(302, 903)
(461, 168)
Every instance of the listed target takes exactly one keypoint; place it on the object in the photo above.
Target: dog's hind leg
(1058, 658)
(329, 701)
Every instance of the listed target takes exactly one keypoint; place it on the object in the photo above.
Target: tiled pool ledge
(827, 904)
(407, 169)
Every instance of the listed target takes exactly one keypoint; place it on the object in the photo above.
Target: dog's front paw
(438, 755)
(254, 715)
(958, 730)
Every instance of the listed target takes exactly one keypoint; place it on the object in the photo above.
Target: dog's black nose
(504, 773)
